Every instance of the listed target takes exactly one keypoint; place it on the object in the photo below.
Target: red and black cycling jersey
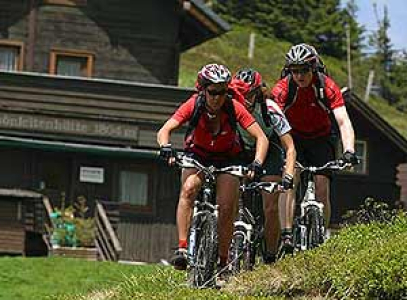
(203, 142)
(307, 117)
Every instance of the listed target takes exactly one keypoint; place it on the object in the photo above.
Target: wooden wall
(147, 243)
(130, 40)
(350, 190)
(86, 110)
(402, 182)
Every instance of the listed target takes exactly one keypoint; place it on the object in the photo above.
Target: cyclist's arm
(182, 115)
(164, 134)
(345, 128)
(262, 142)
(290, 153)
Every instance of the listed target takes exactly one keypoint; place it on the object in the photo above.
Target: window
(71, 63)
(134, 189)
(11, 55)
(361, 152)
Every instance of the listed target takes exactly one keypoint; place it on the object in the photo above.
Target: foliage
(231, 49)
(371, 211)
(71, 226)
(26, 278)
(365, 261)
(320, 23)
(397, 83)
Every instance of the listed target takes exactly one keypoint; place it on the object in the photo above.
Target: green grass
(64, 278)
(36, 278)
(361, 262)
(231, 49)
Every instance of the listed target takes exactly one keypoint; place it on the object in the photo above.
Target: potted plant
(73, 233)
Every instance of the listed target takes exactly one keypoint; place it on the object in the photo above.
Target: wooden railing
(106, 241)
(46, 236)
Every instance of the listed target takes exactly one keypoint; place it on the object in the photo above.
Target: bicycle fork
(309, 201)
(200, 208)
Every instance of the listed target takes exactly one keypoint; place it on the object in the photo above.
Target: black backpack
(200, 106)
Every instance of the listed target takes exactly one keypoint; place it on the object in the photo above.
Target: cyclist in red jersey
(213, 141)
(311, 122)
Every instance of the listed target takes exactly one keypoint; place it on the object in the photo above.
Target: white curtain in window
(8, 58)
(133, 188)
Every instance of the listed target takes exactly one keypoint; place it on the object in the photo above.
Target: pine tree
(382, 59)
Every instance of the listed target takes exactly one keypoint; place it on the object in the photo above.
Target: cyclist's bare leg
(322, 193)
(227, 198)
(271, 216)
(191, 183)
(287, 205)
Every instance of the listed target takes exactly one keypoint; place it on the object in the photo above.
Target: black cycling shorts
(316, 152)
(274, 162)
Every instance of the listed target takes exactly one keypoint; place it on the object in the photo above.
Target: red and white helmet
(213, 73)
(301, 54)
(251, 77)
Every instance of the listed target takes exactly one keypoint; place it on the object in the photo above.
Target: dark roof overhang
(370, 114)
(199, 24)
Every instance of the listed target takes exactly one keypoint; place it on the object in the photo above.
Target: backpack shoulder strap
(323, 101)
(230, 109)
(198, 108)
(265, 114)
(292, 92)
(320, 91)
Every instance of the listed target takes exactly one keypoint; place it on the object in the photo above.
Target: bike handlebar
(334, 165)
(269, 187)
(184, 161)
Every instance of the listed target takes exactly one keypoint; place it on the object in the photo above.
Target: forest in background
(333, 30)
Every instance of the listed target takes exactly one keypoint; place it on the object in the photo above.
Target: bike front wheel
(205, 251)
(315, 227)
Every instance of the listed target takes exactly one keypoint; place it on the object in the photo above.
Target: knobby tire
(205, 253)
(315, 227)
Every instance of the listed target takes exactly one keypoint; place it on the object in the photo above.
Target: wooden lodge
(84, 86)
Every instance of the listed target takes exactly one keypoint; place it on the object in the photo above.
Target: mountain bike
(202, 249)
(309, 224)
(248, 235)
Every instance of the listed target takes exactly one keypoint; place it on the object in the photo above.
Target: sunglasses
(301, 71)
(216, 92)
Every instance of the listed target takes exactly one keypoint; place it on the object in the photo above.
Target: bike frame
(309, 199)
(246, 224)
(204, 205)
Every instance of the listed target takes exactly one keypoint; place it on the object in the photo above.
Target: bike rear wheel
(205, 251)
(315, 227)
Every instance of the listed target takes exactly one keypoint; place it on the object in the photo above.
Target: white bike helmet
(213, 73)
(301, 54)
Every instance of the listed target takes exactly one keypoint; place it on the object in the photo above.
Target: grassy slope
(69, 279)
(231, 50)
(362, 262)
(36, 278)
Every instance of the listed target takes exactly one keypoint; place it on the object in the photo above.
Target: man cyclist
(213, 141)
(272, 121)
(311, 122)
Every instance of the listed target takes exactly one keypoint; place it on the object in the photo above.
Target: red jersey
(202, 141)
(307, 117)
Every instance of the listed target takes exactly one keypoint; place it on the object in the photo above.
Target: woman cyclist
(212, 141)
(249, 84)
